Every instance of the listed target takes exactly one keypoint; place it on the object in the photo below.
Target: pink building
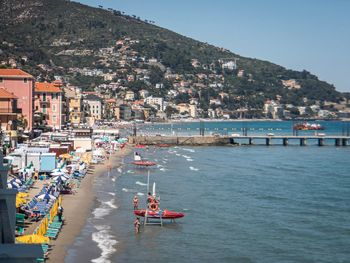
(21, 84)
(48, 101)
(8, 110)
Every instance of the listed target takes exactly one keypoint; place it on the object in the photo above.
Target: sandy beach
(77, 207)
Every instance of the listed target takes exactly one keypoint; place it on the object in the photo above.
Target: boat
(163, 145)
(140, 146)
(306, 126)
(144, 163)
(164, 214)
(154, 212)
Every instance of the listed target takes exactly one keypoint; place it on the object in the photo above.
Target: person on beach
(136, 202)
(60, 213)
(137, 225)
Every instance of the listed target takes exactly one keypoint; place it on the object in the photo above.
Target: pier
(283, 140)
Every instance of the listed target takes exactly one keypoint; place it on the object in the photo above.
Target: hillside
(57, 37)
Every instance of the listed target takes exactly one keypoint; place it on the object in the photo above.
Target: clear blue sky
(297, 34)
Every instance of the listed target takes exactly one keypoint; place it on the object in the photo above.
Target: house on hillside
(8, 110)
(48, 101)
(21, 85)
(93, 108)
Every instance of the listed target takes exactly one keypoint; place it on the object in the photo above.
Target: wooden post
(285, 142)
(302, 141)
(250, 141)
(268, 141)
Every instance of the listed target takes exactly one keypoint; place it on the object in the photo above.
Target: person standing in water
(136, 202)
(137, 225)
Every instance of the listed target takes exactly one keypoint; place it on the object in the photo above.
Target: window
(44, 108)
(53, 107)
(36, 108)
(25, 80)
(54, 96)
(44, 96)
(1, 79)
(54, 118)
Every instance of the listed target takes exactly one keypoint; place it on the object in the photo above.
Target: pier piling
(302, 141)
(321, 142)
(285, 142)
(337, 142)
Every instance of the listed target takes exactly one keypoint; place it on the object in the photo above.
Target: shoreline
(78, 207)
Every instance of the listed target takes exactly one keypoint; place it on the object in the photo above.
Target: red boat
(163, 145)
(166, 214)
(140, 146)
(144, 163)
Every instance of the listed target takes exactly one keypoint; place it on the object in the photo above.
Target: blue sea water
(242, 204)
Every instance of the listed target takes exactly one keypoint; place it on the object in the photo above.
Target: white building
(155, 101)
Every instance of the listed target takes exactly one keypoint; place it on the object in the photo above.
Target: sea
(241, 203)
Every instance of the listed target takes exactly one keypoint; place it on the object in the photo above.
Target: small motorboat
(164, 214)
(144, 163)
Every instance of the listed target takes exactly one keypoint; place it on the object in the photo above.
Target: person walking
(60, 213)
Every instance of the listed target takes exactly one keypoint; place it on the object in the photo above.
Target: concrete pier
(240, 140)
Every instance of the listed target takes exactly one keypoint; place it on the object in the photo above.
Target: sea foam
(106, 242)
(193, 169)
(139, 183)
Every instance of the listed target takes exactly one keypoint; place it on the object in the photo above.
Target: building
(21, 84)
(74, 101)
(93, 106)
(144, 93)
(48, 102)
(155, 101)
(130, 95)
(8, 110)
(125, 112)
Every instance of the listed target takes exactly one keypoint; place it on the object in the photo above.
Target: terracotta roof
(14, 73)
(46, 87)
(4, 94)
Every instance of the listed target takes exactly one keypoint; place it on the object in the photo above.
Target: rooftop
(46, 87)
(14, 73)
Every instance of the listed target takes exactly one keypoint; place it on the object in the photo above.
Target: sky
(298, 34)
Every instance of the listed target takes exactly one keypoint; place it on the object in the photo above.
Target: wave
(186, 156)
(113, 179)
(106, 242)
(139, 183)
(112, 194)
(193, 169)
(189, 160)
(104, 209)
(130, 172)
(101, 212)
(163, 169)
(111, 204)
(128, 190)
(140, 194)
(188, 150)
(120, 170)
(178, 154)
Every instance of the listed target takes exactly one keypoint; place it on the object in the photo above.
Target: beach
(77, 207)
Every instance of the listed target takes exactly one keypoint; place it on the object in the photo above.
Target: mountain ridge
(41, 29)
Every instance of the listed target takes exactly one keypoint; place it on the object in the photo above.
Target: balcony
(9, 111)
